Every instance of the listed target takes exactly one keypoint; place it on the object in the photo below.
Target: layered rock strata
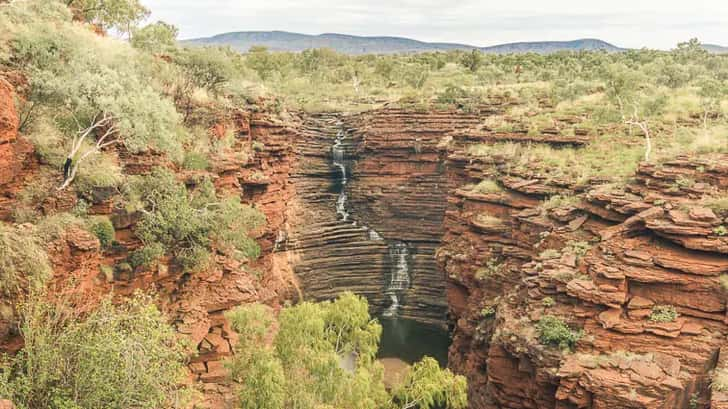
(600, 262)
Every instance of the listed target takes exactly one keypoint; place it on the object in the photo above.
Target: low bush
(553, 331)
(24, 263)
(119, 356)
(663, 313)
(104, 230)
(487, 186)
(720, 380)
(189, 225)
(196, 161)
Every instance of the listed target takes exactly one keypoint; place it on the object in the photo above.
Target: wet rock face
(396, 193)
(602, 264)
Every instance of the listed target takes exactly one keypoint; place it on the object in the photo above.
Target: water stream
(399, 277)
(403, 341)
(337, 152)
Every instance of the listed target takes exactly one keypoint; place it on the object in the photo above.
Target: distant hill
(716, 49)
(545, 47)
(349, 44)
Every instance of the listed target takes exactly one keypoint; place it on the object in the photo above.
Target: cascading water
(399, 279)
(337, 151)
(403, 339)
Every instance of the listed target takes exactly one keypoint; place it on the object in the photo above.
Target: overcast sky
(626, 23)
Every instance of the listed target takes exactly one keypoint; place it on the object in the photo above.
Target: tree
(119, 356)
(207, 67)
(710, 92)
(429, 386)
(122, 15)
(305, 367)
(156, 38)
(472, 60)
(690, 50)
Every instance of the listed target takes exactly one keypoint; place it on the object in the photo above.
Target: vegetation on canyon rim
(86, 100)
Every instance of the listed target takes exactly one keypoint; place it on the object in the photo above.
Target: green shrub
(663, 313)
(209, 68)
(487, 186)
(305, 366)
(492, 268)
(549, 254)
(104, 230)
(119, 14)
(487, 312)
(554, 331)
(721, 231)
(559, 201)
(119, 356)
(548, 302)
(159, 37)
(189, 225)
(718, 204)
(23, 258)
(578, 248)
(196, 161)
(146, 256)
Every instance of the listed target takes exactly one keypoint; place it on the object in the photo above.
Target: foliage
(104, 230)
(209, 68)
(492, 268)
(190, 224)
(304, 366)
(159, 37)
(119, 356)
(554, 331)
(487, 312)
(487, 186)
(24, 263)
(560, 201)
(578, 248)
(548, 302)
(549, 254)
(119, 14)
(428, 386)
(195, 161)
(663, 313)
(472, 60)
(720, 380)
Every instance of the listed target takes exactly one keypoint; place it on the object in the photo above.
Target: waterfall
(337, 152)
(399, 279)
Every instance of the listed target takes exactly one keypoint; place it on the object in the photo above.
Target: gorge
(492, 264)
(509, 219)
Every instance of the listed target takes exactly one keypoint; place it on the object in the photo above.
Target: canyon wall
(395, 199)
(600, 262)
(256, 167)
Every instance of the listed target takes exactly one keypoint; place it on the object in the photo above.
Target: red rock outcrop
(601, 263)
(14, 151)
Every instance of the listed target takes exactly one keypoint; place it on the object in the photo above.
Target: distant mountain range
(349, 44)
(716, 49)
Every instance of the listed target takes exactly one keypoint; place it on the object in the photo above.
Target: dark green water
(410, 341)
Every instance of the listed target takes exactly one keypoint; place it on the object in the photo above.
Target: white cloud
(627, 23)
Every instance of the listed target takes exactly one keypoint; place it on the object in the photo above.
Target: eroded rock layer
(395, 196)
(601, 262)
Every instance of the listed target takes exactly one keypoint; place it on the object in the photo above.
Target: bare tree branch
(105, 120)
